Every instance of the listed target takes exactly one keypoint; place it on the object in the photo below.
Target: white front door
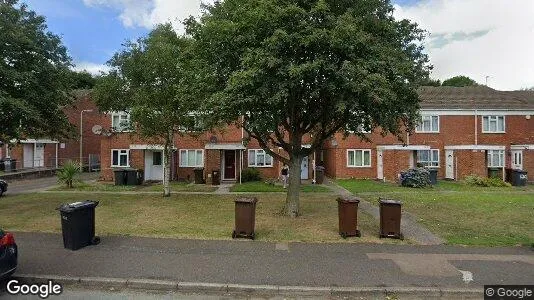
(449, 164)
(38, 155)
(304, 168)
(379, 164)
(27, 153)
(153, 165)
(517, 159)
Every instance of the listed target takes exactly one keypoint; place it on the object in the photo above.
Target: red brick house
(463, 131)
(48, 153)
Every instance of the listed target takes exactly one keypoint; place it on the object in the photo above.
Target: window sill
(128, 166)
(427, 132)
(493, 132)
(260, 166)
(359, 167)
(191, 166)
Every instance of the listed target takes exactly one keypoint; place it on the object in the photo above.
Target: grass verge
(462, 214)
(187, 216)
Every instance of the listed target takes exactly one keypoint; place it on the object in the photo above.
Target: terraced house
(462, 131)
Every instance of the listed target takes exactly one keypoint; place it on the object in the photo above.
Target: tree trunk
(167, 152)
(292, 201)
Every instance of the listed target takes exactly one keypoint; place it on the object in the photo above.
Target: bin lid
(246, 200)
(348, 199)
(70, 207)
(389, 201)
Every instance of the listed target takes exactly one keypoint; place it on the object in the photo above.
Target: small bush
(416, 178)
(68, 174)
(475, 180)
(250, 174)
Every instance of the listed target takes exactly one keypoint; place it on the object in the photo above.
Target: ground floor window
(428, 158)
(192, 158)
(120, 158)
(258, 158)
(495, 158)
(359, 158)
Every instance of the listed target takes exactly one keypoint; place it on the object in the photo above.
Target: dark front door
(229, 164)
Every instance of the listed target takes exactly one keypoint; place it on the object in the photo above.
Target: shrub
(250, 174)
(68, 173)
(416, 178)
(475, 180)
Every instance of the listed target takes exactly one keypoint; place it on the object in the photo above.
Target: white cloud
(90, 67)
(147, 13)
(479, 38)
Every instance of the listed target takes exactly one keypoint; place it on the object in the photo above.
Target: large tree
(310, 68)
(459, 81)
(149, 79)
(34, 76)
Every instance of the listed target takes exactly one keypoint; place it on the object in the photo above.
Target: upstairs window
(359, 158)
(493, 124)
(428, 124)
(258, 158)
(120, 121)
(428, 158)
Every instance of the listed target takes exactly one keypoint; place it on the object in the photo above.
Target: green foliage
(82, 80)
(250, 174)
(416, 178)
(34, 76)
(68, 173)
(459, 81)
(309, 68)
(431, 82)
(475, 180)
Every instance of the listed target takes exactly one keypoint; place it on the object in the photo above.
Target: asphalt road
(39, 184)
(262, 263)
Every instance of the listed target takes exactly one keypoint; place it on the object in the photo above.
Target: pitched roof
(474, 97)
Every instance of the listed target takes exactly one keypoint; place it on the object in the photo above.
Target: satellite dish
(97, 129)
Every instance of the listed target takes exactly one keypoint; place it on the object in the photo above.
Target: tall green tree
(149, 79)
(83, 80)
(309, 68)
(459, 81)
(34, 76)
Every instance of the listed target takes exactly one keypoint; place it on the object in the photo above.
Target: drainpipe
(57, 155)
(241, 152)
(476, 127)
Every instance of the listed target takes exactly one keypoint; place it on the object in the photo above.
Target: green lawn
(262, 187)
(462, 214)
(187, 216)
(181, 187)
(153, 187)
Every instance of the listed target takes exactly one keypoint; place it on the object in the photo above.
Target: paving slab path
(410, 228)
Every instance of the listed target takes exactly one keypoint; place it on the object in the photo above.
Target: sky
(488, 40)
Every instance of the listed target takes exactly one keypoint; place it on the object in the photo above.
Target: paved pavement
(278, 264)
(410, 228)
(40, 184)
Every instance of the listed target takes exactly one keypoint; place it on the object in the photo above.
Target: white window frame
(196, 121)
(362, 151)
(120, 115)
(119, 154)
(187, 151)
(420, 127)
(430, 163)
(494, 118)
(255, 164)
(490, 154)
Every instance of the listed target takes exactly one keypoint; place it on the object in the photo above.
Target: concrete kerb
(169, 285)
